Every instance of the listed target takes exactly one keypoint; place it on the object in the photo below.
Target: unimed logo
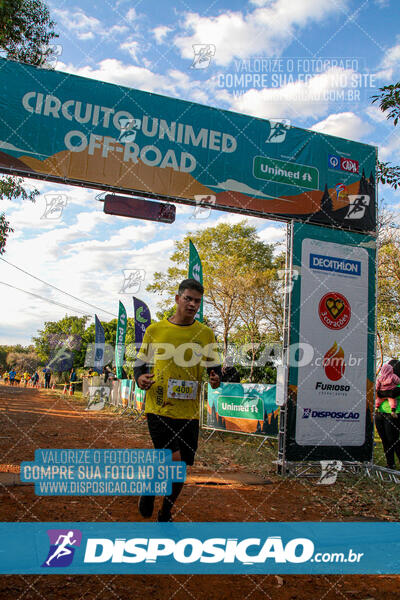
(191, 550)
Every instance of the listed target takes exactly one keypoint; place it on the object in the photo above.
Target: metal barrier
(124, 394)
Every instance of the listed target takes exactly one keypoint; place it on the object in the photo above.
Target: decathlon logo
(342, 266)
(191, 550)
(62, 547)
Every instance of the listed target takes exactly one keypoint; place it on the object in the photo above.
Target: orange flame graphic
(334, 363)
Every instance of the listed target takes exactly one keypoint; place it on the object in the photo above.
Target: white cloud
(175, 83)
(132, 47)
(86, 27)
(390, 63)
(390, 152)
(160, 33)
(77, 21)
(131, 15)
(115, 71)
(90, 269)
(346, 125)
(273, 234)
(300, 99)
(266, 30)
(375, 113)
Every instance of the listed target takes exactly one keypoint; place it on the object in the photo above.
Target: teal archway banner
(64, 128)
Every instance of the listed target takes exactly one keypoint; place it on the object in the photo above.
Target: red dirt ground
(31, 419)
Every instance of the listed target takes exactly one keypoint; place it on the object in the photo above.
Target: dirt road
(31, 419)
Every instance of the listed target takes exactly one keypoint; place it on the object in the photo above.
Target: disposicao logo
(192, 550)
(331, 414)
(62, 547)
(341, 266)
(333, 363)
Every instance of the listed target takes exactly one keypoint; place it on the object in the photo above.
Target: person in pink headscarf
(386, 382)
(387, 424)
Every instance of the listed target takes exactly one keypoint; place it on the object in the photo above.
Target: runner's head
(188, 299)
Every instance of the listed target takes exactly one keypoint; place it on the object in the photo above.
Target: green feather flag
(196, 272)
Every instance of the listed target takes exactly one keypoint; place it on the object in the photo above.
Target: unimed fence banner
(332, 351)
(244, 408)
(72, 129)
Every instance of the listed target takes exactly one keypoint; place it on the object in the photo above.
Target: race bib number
(182, 390)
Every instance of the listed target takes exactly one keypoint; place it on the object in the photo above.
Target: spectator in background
(230, 374)
(108, 373)
(11, 376)
(387, 424)
(35, 378)
(72, 379)
(47, 377)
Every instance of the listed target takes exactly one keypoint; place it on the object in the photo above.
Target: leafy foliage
(26, 31)
(23, 361)
(389, 100)
(386, 173)
(5, 350)
(68, 333)
(10, 189)
(242, 299)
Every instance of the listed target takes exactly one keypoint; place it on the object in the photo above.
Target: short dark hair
(190, 284)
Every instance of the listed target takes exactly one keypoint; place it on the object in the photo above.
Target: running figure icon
(62, 549)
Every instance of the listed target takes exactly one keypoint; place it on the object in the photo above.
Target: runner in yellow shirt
(169, 367)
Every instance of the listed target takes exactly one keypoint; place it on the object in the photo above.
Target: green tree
(68, 334)
(26, 31)
(227, 252)
(260, 311)
(5, 350)
(23, 361)
(389, 102)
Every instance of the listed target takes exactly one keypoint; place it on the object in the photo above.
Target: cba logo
(340, 163)
(334, 310)
(63, 543)
(334, 363)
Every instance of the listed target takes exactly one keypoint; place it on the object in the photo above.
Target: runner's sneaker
(164, 517)
(146, 506)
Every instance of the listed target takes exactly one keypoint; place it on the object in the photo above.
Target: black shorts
(175, 434)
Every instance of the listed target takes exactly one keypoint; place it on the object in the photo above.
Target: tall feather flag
(99, 342)
(196, 272)
(120, 339)
(142, 320)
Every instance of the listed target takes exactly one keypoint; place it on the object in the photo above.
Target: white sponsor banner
(332, 359)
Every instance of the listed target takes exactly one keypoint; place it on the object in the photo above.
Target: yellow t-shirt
(179, 354)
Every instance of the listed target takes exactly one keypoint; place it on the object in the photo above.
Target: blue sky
(316, 64)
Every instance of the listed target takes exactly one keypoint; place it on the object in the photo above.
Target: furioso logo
(62, 547)
(333, 363)
(334, 310)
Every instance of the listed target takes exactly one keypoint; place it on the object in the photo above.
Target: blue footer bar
(196, 548)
